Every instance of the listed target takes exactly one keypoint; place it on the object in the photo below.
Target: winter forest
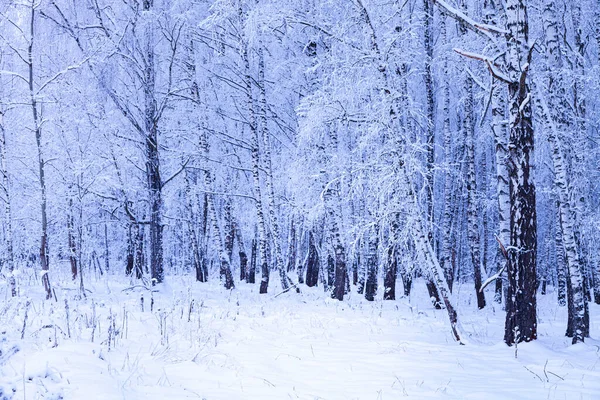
(308, 199)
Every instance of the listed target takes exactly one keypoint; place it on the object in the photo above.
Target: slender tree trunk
(312, 262)
(140, 259)
(430, 133)
(292, 252)
(406, 272)
(275, 231)
(44, 256)
(8, 238)
(391, 266)
(130, 250)
(557, 121)
(153, 177)
(251, 275)
(372, 264)
(256, 165)
(339, 252)
(71, 239)
(561, 266)
(196, 255)
(229, 227)
(472, 211)
(449, 208)
(106, 251)
(217, 237)
(241, 253)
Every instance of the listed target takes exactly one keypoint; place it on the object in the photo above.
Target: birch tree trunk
(44, 256)
(429, 133)
(275, 231)
(153, 177)
(312, 262)
(256, 165)
(555, 113)
(71, 238)
(372, 263)
(472, 212)
(196, 254)
(449, 208)
(521, 314)
(561, 266)
(391, 266)
(8, 238)
(212, 219)
(331, 195)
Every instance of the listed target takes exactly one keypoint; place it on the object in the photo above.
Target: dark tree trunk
(72, 243)
(498, 291)
(106, 252)
(330, 270)
(251, 275)
(243, 265)
(340, 273)
(389, 280)
(312, 262)
(292, 248)
(139, 252)
(570, 308)
(434, 295)
(355, 270)
(521, 302)
(229, 228)
(407, 284)
(199, 267)
(371, 282)
(264, 281)
(153, 176)
(130, 250)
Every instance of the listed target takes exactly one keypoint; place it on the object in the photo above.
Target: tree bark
(372, 264)
(312, 262)
(555, 114)
(472, 211)
(154, 182)
(8, 238)
(521, 315)
(44, 256)
(275, 231)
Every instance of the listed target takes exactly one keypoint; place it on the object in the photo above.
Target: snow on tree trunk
(312, 262)
(241, 253)
(267, 163)
(256, 166)
(561, 266)
(391, 265)
(472, 211)
(154, 182)
(449, 208)
(332, 209)
(8, 234)
(556, 119)
(71, 237)
(429, 133)
(44, 256)
(372, 263)
(521, 313)
(251, 275)
(193, 236)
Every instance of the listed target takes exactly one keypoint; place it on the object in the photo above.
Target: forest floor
(242, 345)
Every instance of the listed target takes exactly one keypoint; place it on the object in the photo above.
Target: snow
(242, 345)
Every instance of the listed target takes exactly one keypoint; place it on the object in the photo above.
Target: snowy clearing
(240, 345)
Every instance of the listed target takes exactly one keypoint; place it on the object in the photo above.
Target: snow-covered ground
(242, 345)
